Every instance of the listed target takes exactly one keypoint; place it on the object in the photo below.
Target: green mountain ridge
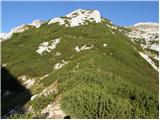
(93, 71)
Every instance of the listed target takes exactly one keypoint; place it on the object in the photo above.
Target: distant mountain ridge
(148, 31)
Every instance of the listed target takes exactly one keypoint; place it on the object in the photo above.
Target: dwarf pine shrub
(90, 95)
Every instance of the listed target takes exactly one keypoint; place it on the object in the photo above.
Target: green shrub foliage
(41, 102)
(111, 81)
(90, 96)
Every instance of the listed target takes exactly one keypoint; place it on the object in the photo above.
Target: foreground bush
(88, 96)
(92, 102)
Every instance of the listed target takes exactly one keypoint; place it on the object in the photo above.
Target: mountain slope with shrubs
(79, 66)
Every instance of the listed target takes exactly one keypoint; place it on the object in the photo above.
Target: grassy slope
(120, 57)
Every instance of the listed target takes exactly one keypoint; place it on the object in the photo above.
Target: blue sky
(120, 13)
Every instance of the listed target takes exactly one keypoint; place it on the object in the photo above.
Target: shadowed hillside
(13, 94)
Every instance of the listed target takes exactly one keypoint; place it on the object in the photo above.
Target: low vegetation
(107, 96)
(41, 102)
(111, 81)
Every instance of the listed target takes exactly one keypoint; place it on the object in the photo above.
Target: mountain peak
(82, 12)
(36, 23)
(146, 27)
(146, 24)
(148, 31)
(78, 17)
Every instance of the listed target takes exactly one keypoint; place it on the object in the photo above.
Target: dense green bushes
(27, 115)
(110, 82)
(84, 76)
(92, 102)
(86, 94)
(41, 102)
(21, 116)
